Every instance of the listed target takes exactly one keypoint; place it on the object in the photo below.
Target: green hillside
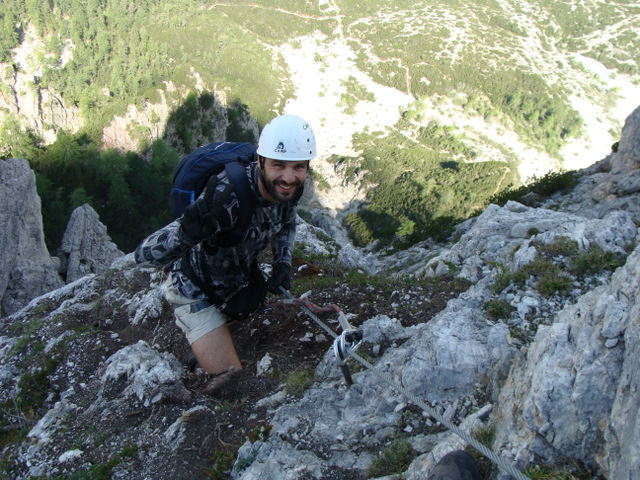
(510, 62)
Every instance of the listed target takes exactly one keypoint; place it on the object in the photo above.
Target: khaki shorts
(194, 317)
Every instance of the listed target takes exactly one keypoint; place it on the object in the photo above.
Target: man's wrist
(185, 238)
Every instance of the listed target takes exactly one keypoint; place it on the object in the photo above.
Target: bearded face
(280, 180)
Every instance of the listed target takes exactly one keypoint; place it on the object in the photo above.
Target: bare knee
(216, 352)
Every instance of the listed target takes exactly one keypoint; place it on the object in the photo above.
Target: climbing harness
(348, 349)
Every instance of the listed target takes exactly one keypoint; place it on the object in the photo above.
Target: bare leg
(215, 351)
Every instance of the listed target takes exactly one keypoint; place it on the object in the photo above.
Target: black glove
(248, 300)
(199, 218)
(280, 277)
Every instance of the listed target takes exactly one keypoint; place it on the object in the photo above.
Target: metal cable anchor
(345, 344)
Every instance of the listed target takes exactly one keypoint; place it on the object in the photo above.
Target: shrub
(395, 458)
(545, 186)
(560, 246)
(359, 231)
(593, 261)
(321, 182)
(539, 267)
(222, 462)
(551, 283)
(506, 277)
(498, 309)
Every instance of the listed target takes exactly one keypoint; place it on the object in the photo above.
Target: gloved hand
(248, 300)
(198, 220)
(280, 277)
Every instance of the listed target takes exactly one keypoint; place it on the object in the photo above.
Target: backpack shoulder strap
(237, 173)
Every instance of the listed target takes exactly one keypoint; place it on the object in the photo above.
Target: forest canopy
(129, 192)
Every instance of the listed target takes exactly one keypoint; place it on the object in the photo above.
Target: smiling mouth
(284, 187)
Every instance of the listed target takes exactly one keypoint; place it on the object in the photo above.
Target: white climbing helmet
(287, 137)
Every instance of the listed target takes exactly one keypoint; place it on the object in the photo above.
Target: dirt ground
(120, 436)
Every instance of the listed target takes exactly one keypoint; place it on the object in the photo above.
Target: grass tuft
(394, 458)
(298, 381)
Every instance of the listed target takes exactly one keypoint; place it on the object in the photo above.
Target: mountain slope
(526, 303)
(534, 85)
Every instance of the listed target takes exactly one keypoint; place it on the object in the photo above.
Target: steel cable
(500, 462)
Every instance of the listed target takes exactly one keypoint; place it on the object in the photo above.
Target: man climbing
(214, 278)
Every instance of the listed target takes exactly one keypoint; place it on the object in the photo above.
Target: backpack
(194, 170)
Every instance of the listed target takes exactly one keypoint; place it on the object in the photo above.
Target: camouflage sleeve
(162, 247)
(167, 245)
(283, 242)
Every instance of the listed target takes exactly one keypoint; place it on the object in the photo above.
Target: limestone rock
(41, 109)
(627, 157)
(621, 457)
(26, 269)
(86, 246)
(145, 370)
(577, 386)
(500, 231)
(611, 184)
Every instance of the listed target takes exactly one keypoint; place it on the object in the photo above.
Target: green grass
(506, 277)
(560, 246)
(551, 284)
(298, 381)
(593, 261)
(486, 436)
(394, 458)
(544, 472)
(27, 334)
(497, 309)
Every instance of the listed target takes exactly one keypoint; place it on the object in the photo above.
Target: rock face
(627, 159)
(86, 246)
(42, 110)
(26, 269)
(573, 393)
(612, 183)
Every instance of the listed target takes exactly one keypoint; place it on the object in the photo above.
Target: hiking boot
(214, 385)
(457, 465)
(171, 393)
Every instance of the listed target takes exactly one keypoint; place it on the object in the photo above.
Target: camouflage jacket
(226, 269)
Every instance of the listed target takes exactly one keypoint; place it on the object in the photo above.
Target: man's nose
(289, 175)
